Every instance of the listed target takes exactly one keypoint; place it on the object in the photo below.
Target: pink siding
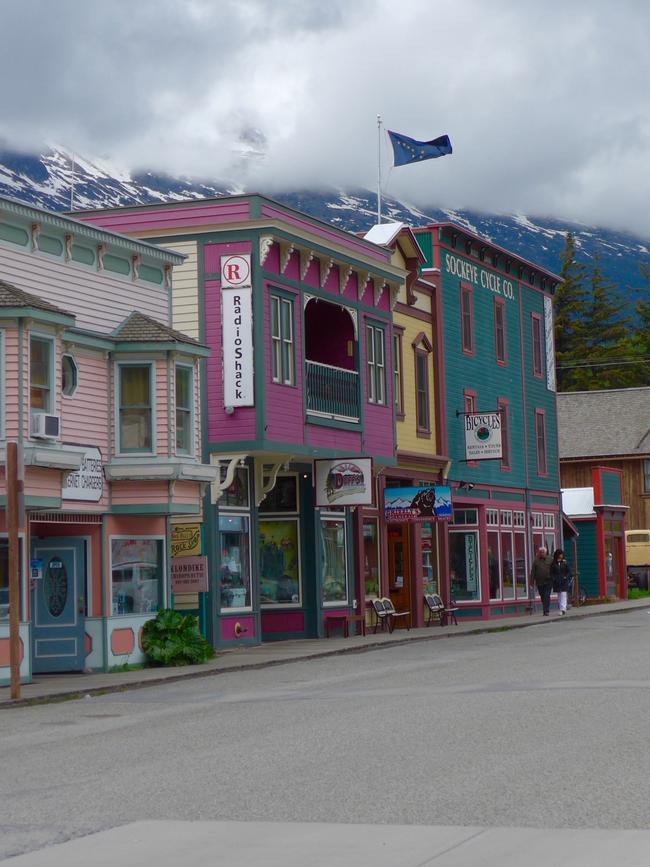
(241, 425)
(284, 403)
(163, 383)
(187, 493)
(378, 430)
(11, 386)
(98, 300)
(85, 414)
(42, 482)
(331, 438)
(138, 493)
(135, 222)
(213, 253)
(228, 627)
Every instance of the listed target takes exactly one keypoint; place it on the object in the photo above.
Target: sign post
(14, 489)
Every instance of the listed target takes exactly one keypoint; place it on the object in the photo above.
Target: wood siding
(578, 474)
(185, 289)
(407, 435)
(11, 383)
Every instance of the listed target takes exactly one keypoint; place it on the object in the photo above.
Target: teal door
(58, 605)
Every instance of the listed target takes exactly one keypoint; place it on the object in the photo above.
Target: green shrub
(172, 638)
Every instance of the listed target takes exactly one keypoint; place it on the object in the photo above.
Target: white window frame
(333, 515)
(280, 340)
(51, 403)
(118, 403)
(376, 367)
(190, 450)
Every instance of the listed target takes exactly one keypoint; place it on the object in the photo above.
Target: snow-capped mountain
(56, 180)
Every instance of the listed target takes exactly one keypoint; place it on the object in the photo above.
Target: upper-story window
(184, 409)
(41, 374)
(398, 376)
(376, 356)
(504, 408)
(423, 349)
(500, 330)
(282, 346)
(135, 407)
(69, 375)
(537, 345)
(540, 438)
(467, 319)
(646, 477)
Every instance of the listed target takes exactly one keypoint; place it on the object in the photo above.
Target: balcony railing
(332, 391)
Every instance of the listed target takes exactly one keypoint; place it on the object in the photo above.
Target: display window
(234, 559)
(334, 569)
(464, 567)
(137, 571)
(371, 557)
(279, 559)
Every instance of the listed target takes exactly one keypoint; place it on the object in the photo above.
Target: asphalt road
(543, 727)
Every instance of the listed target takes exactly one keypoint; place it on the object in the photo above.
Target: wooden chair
(435, 609)
(393, 615)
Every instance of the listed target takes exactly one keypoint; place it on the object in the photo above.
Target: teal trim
(236, 445)
(550, 500)
(81, 339)
(255, 205)
(317, 421)
(117, 264)
(48, 244)
(47, 316)
(151, 275)
(382, 316)
(611, 484)
(14, 234)
(83, 255)
(157, 509)
(516, 496)
(42, 502)
(166, 346)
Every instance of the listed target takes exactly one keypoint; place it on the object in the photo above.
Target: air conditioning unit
(45, 427)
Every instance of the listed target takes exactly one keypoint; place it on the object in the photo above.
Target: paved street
(543, 727)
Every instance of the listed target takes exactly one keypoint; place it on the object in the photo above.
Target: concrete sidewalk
(61, 687)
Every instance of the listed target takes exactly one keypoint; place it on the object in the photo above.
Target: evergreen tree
(570, 303)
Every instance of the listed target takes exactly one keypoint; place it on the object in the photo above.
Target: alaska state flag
(408, 150)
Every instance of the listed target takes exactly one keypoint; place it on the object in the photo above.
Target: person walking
(560, 577)
(540, 575)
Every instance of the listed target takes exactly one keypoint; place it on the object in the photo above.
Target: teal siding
(587, 557)
(612, 493)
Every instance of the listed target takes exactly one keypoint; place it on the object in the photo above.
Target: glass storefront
(431, 584)
(279, 556)
(234, 559)
(371, 557)
(137, 570)
(464, 565)
(334, 559)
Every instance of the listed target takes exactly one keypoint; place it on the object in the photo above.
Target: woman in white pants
(560, 575)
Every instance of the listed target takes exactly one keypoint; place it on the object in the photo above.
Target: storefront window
(137, 570)
(507, 566)
(279, 557)
(521, 572)
(234, 559)
(334, 565)
(464, 565)
(429, 560)
(371, 557)
(493, 565)
(236, 495)
(283, 497)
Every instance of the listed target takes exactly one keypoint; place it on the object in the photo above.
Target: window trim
(278, 376)
(398, 372)
(500, 330)
(542, 465)
(469, 394)
(503, 405)
(375, 371)
(65, 393)
(188, 367)
(51, 402)
(467, 292)
(646, 476)
(537, 345)
(422, 350)
(329, 515)
(151, 364)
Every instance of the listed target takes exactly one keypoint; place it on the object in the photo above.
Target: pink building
(298, 315)
(102, 394)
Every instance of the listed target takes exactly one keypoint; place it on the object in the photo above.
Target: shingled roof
(604, 423)
(12, 296)
(140, 328)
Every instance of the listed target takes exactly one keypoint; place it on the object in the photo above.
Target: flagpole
(378, 168)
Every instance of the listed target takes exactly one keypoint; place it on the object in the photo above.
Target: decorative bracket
(168, 276)
(101, 252)
(344, 276)
(355, 321)
(36, 231)
(262, 488)
(266, 242)
(286, 249)
(68, 242)
(306, 298)
(218, 487)
(325, 268)
(394, 292)
(306, 258)
(136, 259)
(362, 282)
(378, 287)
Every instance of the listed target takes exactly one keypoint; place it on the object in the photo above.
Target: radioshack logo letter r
(232, 273)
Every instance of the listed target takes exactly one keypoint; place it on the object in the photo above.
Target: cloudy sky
(547, 104)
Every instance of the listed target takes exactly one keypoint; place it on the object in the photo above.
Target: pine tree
(570, 303)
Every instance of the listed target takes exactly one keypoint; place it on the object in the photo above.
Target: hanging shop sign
(482, 435)
(344, 482)
(237, 331)
(186, 540)
(417, 504)
(86, 483)
(189, 574)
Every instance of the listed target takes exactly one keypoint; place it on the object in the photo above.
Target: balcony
(332, 392)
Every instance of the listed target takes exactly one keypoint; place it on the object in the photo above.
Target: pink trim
(540, 414)
(536, 336)
(247, 625)
(504, 405)
(500, 326)
(467, 291)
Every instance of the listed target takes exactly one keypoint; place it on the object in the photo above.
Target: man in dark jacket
(540, 574)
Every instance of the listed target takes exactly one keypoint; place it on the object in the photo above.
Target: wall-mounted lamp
(229, 410)
(466, 486)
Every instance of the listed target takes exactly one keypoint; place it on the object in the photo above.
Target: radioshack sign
(237, 331)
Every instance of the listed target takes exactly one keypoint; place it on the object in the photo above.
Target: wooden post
(14, 566)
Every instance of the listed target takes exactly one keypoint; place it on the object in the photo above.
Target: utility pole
(14, 486)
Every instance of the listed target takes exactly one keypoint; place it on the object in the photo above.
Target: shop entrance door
(58, 605)
(399, 573)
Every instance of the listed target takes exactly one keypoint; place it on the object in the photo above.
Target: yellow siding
(185, 289)
(407, 438)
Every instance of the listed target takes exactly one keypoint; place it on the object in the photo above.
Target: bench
(386, 614)
(344, 621)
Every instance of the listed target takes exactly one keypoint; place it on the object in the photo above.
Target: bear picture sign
(417, 504)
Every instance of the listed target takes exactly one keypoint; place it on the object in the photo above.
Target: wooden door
(399, 572)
